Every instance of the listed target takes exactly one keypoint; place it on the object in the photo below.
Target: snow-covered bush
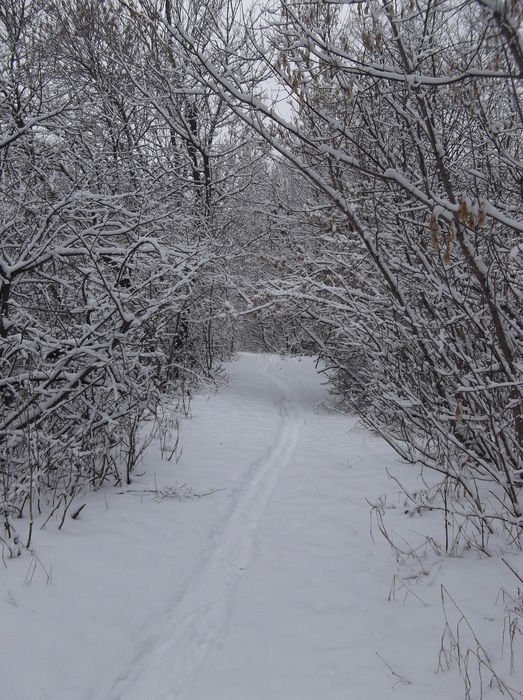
(107, 251)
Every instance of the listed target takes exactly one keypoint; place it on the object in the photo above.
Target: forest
(181, 179)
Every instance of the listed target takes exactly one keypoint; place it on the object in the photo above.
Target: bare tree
(407, 124)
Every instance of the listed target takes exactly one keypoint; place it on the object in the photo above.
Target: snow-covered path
(269, 589)
(206, 603)
(287, 602)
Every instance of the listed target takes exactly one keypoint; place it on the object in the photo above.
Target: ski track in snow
(204, 605)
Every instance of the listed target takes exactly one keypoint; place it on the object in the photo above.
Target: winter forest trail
(268, 587)
(286, 602)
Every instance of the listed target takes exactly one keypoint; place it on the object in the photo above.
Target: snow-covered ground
(268, 588)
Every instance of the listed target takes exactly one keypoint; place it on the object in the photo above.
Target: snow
(269, 587)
